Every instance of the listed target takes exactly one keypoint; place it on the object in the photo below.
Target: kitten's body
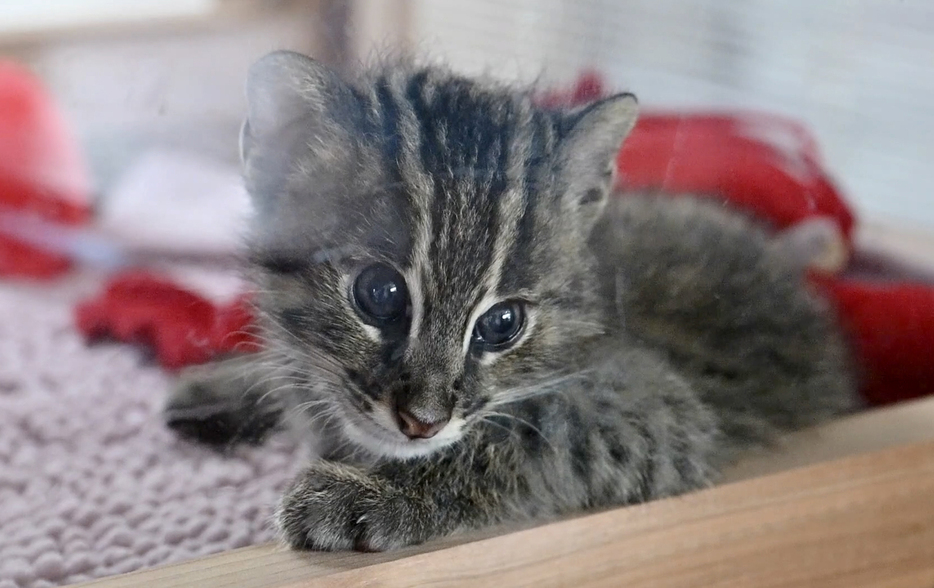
(661, 335)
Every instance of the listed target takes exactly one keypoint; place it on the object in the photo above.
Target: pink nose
(414, 428)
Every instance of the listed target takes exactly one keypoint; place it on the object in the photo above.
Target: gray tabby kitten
(474, 332)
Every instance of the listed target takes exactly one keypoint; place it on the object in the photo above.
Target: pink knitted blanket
(91, 482)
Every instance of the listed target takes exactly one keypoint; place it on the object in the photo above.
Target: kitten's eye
(380, 293)
(500, 326)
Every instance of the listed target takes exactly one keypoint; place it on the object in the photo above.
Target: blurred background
(136, 105)
(143, 74)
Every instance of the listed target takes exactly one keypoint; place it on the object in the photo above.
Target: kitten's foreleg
(223, 403)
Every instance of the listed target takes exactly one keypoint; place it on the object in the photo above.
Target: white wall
(17, 16)
(127, 89)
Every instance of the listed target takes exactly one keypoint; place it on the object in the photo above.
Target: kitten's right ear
(283, 87)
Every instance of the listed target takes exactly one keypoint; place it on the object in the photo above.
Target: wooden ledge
(864, 520)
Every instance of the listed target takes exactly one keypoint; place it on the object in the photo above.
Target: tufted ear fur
(300, 150)
(284, 88)
(588, 155)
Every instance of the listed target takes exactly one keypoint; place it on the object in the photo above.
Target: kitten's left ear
(588, 154)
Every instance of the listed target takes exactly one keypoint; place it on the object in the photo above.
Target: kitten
(473, 331)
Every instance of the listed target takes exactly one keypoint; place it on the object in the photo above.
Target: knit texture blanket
(92, 483)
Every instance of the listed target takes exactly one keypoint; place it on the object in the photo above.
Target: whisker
(521, 421)
(552, 385)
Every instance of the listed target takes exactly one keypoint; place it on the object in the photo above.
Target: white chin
(378, 440)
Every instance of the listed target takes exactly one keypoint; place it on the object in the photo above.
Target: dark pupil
(499, 324)
(384, 294)
(380, 293)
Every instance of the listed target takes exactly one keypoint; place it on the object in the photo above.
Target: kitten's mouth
(377, 431)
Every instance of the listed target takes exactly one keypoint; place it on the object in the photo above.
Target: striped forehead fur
(461, 151)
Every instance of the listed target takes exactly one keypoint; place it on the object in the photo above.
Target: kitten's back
(730, 308)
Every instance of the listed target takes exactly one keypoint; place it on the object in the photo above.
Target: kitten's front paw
(335, 507)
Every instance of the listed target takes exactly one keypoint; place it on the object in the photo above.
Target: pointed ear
(588, 155)
(282, 88)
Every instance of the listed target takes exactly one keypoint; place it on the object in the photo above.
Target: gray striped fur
(663, 336)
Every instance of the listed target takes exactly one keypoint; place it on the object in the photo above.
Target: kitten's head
(422, 240)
